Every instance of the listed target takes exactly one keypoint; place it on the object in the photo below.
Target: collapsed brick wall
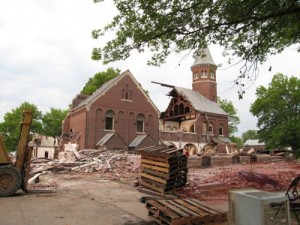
(226, 160)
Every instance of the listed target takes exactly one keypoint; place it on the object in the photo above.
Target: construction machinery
(14, 176)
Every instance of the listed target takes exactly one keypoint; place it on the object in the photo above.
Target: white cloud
(45, 51)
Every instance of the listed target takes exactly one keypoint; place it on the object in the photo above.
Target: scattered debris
(113, 165)
(259, 178)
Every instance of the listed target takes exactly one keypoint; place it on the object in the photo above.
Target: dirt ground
(80, 198)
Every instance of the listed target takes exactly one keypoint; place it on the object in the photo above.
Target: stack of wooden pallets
(183, 211)
(163, 169)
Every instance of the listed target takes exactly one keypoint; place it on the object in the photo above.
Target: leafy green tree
(237, 140)
(248, 29)
(233, 119)
(98, 79)
(277, 108)
(250, 135)
(10, 128)
(52, 122)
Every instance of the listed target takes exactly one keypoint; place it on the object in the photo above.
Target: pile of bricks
(163, 169)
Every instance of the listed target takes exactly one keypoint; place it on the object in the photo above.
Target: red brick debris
(204, 184)
(215, 183)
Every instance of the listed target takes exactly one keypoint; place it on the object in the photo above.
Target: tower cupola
(204, 75)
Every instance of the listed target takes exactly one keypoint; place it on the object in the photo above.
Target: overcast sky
(45, 59)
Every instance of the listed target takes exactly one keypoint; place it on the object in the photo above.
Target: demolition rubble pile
(113, 165)
(214, 183)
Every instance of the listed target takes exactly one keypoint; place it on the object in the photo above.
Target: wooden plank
(157, 184)
(170, 175)
(191, 207)
(208, 206)
(171, 159)
(156, 173)
(162, 208)
(160, 180)
(152, 187)
(166, 165)
(212, 212)
(155, 168)
(154, 158)
(158, 218)
(154, 193)
(183, 208)
(174, 209)
(171, 184)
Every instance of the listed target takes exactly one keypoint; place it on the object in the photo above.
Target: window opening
(109, 120)
(210, 128)
(204, 128)
(221, 129)
(140, 123)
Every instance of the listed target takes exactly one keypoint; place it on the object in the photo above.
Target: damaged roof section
(199, 102)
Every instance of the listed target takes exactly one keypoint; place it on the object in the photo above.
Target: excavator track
(10, 180)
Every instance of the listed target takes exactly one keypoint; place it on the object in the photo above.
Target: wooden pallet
(183, 211)
(161, 151)
(170, 175)
(163, 169)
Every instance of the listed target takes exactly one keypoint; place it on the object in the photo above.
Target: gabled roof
(138, 140)
(106, 86)
(105, 139)
(199, 102)
(203, 57)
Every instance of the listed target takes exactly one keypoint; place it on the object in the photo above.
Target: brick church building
(119, 115)
(193, 119)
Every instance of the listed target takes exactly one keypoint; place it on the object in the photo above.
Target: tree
(248, 29)
(237, 140)
(10, 128)
(52, 121)
(98, 79)
(233, 119)
(250, 135)
(277, 108)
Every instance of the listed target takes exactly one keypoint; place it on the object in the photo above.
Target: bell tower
(204, 75)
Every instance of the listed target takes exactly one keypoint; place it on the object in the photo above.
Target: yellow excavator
(14, 176)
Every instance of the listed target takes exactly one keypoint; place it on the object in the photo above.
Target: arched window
(109, 120)
(168, 128)
(210, 129)
(174, 128)
(212, 74)
(221, 129)
(195, 75)
(204, 128)
(140, 120)
(202, 73)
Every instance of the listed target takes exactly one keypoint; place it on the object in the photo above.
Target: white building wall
(42, 152)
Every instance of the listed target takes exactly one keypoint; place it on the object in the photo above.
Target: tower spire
(204, 75)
